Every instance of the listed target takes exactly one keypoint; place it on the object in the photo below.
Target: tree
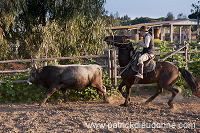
(181, 16)
(58, 28)
(141, 20)
(125, 18)
(169, 17)
(195, 11)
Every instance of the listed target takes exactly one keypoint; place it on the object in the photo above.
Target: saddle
(149, 65)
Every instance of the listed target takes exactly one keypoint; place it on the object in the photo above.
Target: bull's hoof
(106, 101)
(41, 104)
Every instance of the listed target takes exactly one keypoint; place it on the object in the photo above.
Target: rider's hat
(143, 28)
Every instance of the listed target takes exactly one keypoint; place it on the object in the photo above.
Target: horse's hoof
(171, 106)
(124, 94)
(124, 105)
(121, 105)
(146, 103)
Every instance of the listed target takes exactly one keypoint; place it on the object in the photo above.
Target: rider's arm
(146, 42)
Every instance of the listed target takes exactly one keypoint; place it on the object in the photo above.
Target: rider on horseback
(147, 52)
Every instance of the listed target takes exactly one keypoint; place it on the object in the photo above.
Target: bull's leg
(103, 90)
(64, 95)
(49, 93)
(159, 91)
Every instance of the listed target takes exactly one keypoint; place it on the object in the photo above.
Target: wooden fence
(108, 61)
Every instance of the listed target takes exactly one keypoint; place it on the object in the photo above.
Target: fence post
(108, 62)
(186, 52)
(113, 67)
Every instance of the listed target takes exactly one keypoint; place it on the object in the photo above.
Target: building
(177, 30)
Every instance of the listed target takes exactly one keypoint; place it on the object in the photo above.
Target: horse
(165, 73)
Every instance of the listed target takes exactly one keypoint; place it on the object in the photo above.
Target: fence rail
(55, 58)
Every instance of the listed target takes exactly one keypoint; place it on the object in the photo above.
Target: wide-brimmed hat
(143, 28)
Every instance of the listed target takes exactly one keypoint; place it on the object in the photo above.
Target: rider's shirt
(148, 44)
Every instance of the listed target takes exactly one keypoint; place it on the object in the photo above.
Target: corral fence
(108, 61)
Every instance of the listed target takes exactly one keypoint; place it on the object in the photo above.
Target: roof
(186, 22)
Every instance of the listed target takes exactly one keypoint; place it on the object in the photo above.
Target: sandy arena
(96, 116)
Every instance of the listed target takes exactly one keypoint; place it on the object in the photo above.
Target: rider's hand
(140, 42)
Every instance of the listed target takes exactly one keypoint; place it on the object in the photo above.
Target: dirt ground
(96, 116)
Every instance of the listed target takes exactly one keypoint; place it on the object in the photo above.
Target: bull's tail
(191, 81)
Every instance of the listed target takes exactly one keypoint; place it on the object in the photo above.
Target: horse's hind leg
(159, 91)
(174, 93)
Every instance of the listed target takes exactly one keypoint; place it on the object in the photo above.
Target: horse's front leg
(120, 89)
(128, 92)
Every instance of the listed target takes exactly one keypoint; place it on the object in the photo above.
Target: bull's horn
(32, 60)
(33, 63)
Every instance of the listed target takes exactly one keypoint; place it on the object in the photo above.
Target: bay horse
(165, 73)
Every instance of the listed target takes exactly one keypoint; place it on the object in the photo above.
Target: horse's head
(118, 41)
(124, 46)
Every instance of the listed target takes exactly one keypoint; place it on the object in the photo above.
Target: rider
(147, 52)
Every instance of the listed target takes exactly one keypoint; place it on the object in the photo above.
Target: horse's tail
(191, 81)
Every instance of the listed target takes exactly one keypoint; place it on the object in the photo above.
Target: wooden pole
(180, 34)
(186, 53)
(172, 53)
(171, 33)
(107, 53)
(55, 58)
(113, 67)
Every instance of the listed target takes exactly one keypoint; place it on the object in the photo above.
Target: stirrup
(138, 75)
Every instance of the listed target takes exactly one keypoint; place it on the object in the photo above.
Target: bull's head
(33, 73)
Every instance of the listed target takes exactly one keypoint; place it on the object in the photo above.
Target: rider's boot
(140, 71)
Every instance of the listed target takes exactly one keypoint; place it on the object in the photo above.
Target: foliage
(53, 28)
(169, 17)
(157, 41)
(12, 92)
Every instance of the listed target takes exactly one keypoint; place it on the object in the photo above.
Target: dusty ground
(96, 116)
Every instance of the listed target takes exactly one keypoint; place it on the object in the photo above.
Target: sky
(149, 8)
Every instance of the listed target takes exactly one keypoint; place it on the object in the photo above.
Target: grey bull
(62, 77)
